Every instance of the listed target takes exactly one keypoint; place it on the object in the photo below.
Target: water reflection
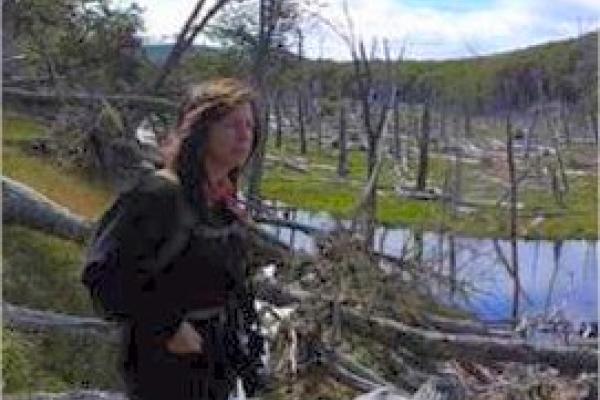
(554, 275)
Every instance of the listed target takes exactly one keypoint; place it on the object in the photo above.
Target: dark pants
(151, 372)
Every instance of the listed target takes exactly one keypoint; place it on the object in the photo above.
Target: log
(433, 344)
(348, 363)
(350, 379)
(29, 320)
(309, 230)
(408, 377)
(444, 387)
(72, 395)
(86, 99)
(451, 325)
(75, 395)
(20, 200)
(24, 206)
(473, 347)
(383, 393)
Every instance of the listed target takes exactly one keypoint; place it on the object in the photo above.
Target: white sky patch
(432, 31)
(164, 19)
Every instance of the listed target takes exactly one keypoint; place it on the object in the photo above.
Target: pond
(557, 277)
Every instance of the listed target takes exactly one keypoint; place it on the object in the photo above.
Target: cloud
(438, 31)
(163, 19)
(434, 29)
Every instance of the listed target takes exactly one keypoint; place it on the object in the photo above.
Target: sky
(417, 29)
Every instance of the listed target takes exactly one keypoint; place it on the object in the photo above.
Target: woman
(181, 337)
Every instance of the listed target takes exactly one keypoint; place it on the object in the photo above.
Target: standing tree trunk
(257, 170)
(424, 150)
(419, 246)
(301, 116)
(319, 129)
(593, 116)
(278, 119)
(513, 218)
(301, 127)
(268, 16)
(452, 265)
(565, 122)
(371, 203)
(397, 144)
(467, 122)
(343, 161)
(443, 120)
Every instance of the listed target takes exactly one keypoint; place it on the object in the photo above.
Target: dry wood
(24, 206)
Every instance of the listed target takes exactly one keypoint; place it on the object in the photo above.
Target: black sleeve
(146, 223)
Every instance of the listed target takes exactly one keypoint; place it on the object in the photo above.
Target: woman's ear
(169, 148)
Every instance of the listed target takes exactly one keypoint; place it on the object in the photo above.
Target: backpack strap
(186, 221)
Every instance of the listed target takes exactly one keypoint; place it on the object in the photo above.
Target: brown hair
(203, 105)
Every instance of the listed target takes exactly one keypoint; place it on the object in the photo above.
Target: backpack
(102, 274)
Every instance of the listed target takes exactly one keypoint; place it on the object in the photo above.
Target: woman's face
(230, 138)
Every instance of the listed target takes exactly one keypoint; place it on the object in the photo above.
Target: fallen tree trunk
(29, 320)
(478, 348)
(392, 333)
(435, 344)
(73, 395)
(365, 373)
(297, 226)
(451, 325)
(350, 379)
(86, 99)
(24, 206)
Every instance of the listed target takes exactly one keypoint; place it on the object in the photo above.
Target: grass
(320, 190)
(67, 186)
(43, 272)
(35, 362)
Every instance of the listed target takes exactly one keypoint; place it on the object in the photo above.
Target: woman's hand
(186, 340)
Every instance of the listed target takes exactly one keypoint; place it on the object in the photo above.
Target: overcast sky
(428, 29)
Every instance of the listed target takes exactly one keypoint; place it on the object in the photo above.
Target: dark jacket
(208, 272)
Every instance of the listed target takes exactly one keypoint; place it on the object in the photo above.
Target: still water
(556, 276)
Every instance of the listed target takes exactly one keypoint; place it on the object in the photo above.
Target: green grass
(35, 362)
(67, 186)
(320, 190)
(43, 272)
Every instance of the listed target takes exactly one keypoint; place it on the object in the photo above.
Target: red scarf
(225, 195)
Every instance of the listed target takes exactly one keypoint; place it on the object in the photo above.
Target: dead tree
(513, 217)
(24, 206)
(423, 149)
(376, 97)
(300, 97)
(467, 114)
(278, 119)
(342, 159)
(397, 144)
(443, 122)
(188, 33)
(270, 12)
